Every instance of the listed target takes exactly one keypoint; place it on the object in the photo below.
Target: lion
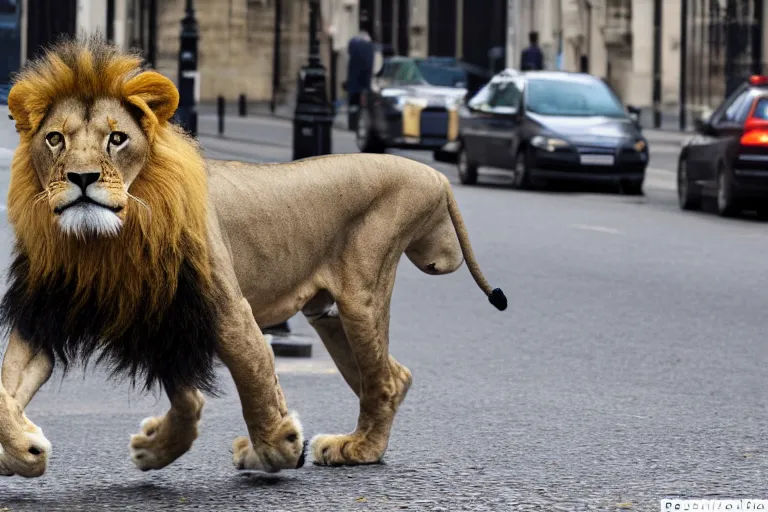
(131, 245)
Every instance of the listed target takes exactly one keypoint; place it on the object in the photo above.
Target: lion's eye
(117, 138)
(54, 139)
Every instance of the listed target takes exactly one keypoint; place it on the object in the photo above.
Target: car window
(482, 97)
(719, 112)
(761, 109)
(506, 95)
(741, 115)
(582, 96)
(442, 75)
(408, 73)
(731, 114)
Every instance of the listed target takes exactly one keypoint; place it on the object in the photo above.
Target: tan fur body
(368, 207)
(130, 244)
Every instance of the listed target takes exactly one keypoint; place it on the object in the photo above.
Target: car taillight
(755, 138)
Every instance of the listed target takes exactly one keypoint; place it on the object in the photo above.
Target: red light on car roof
(758, 80)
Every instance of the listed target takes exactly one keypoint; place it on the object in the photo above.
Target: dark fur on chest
(175, 347)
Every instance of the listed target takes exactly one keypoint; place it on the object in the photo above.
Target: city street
(629, 367)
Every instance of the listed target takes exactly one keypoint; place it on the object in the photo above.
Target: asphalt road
(629, 367)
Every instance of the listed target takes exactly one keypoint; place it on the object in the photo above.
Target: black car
(405, 110)
(727, 159)
(552, 125)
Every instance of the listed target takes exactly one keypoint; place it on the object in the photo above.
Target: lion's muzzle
(85, 206)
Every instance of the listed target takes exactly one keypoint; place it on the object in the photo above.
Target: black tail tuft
(498, 299)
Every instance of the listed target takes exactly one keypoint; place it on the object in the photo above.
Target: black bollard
(220, 109)
(243, 106)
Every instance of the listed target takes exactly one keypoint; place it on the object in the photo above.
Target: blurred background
(666, 58)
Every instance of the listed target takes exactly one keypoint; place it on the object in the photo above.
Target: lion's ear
(26, 108)
(154, 94)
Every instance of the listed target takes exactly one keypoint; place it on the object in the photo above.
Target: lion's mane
(146, 299)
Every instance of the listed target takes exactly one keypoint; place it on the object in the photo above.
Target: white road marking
(599, 229)
(284, 365)
(660, 179)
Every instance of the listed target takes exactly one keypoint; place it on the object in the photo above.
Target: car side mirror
(700, 125)
(702, 122)
(634, 114)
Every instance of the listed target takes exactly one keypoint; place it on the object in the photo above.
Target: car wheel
(467, 170)
(726, 202)
(522, 180)
(688, 196)
(365, 136)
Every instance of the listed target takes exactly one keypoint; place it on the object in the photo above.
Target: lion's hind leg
(380, 382)
(437, 250)
(163, 439)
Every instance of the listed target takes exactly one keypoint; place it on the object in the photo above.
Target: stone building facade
(237, 46)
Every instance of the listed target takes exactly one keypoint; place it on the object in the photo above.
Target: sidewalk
(666, 137)
(260, 109)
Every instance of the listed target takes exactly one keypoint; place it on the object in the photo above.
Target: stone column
(574, 34)
(640, 82)
(670, 53)
(91, 16)
(597, 52)
(514, 10)
(121, 23)
(419, 28)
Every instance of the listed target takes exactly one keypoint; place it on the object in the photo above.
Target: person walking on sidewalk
(361, 52)
(532, 58)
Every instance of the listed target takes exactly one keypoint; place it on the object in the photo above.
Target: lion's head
(87, 116)
(105, 192)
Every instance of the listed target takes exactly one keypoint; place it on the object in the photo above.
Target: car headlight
(640, 145)
(548, 143)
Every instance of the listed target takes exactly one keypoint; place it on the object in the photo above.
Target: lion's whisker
(40, 197)
(141, 203)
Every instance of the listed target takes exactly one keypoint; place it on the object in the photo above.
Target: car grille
(597, 150)
(434, 123)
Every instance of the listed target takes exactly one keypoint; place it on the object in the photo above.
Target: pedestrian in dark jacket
(360, 66)
(532, 59)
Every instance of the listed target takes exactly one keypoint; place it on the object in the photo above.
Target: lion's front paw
(30, 458)
(162, 441)
(285, 449)
(341, 450)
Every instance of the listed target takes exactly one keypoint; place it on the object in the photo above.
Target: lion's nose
(83, 179)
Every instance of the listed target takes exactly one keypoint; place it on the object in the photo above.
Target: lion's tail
(495, 295)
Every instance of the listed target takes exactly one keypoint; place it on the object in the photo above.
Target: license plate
(597, 159)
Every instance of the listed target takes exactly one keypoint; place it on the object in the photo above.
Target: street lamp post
(313, 116)
(312, 124)
(188, 74)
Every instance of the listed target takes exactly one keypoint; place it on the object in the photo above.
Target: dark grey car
(544, 126)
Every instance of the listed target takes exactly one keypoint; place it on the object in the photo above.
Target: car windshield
(442, 75)
(403, 72)
(577, 98)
